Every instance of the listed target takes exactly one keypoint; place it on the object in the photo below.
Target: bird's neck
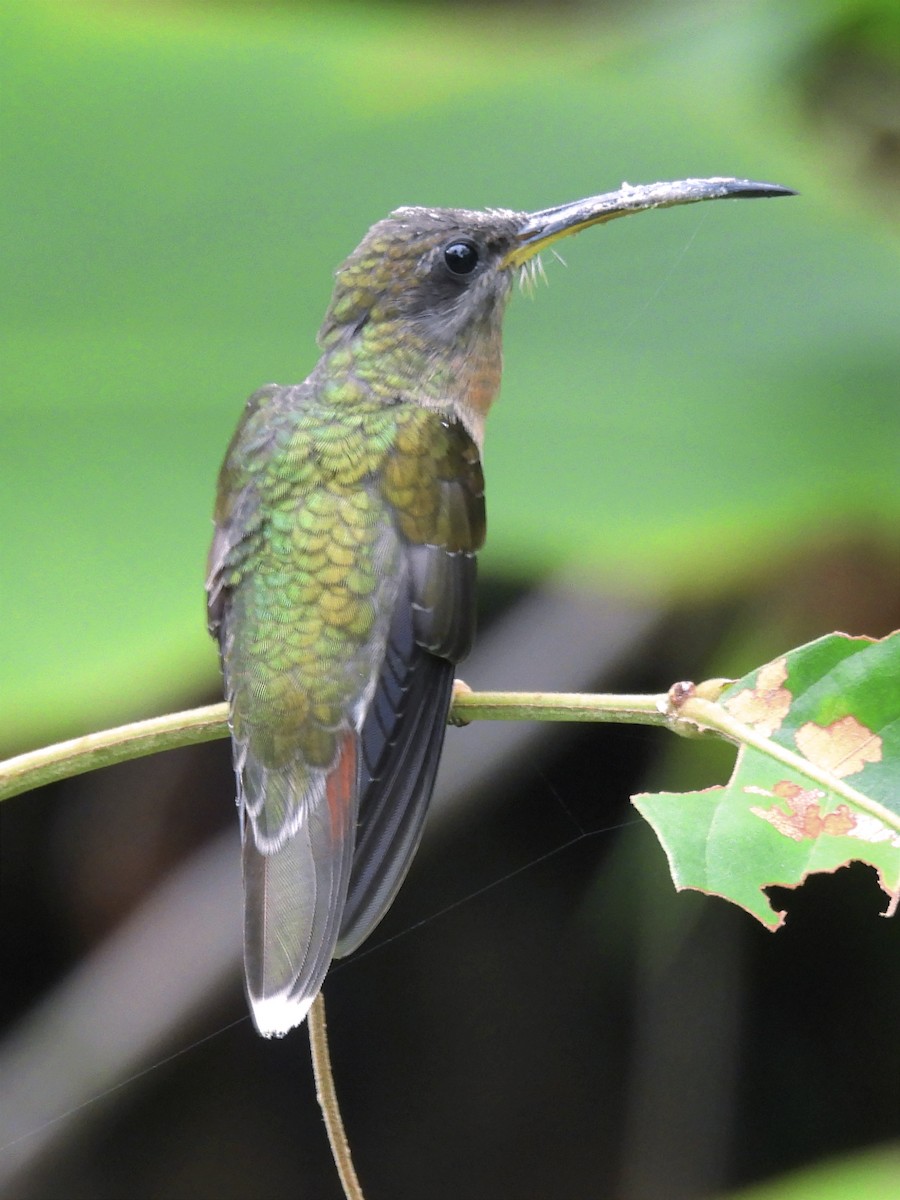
(460, 380)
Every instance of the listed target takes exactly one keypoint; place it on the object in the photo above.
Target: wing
(438, 499)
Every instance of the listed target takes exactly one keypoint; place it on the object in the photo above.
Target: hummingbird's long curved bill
(542, 228)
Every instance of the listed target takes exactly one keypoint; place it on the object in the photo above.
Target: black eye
(461, 257)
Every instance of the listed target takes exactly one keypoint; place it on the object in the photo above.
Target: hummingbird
(341, 576)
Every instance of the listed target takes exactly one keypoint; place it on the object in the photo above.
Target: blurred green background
(700, 417)
(701, 391)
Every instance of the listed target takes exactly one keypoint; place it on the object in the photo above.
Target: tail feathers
(293, 898)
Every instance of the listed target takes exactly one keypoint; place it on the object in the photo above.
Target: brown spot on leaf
(804, 818)
(765, 706)
(843, 747)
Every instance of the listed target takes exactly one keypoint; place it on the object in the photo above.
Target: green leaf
(816, 783)
(871, 1175)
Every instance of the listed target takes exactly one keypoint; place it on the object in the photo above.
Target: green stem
(81, 754)
(559, 706)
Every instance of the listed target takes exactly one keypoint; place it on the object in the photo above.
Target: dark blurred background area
(692, 468)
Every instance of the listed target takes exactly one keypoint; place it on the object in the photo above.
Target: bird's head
(439, 273)
(425, 291)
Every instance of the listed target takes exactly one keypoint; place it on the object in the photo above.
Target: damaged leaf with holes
(816, 783)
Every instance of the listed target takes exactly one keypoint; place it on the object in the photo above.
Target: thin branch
(328, 1101)
(79, 755)
(65, 759)
(560, 706)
